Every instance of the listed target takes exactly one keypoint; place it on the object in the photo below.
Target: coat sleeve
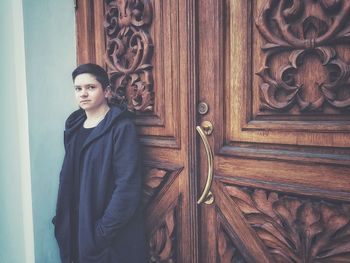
(126, 170)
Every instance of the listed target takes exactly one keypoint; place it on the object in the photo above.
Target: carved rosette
(162, 241)
(304, 28)
(128, 53)
(295, 229)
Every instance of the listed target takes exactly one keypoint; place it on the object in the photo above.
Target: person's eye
(77, 89)
(91, 87)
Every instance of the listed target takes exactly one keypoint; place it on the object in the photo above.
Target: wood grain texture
(90, 33)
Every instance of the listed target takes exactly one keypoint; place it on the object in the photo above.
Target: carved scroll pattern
(128, 53)
(296, 229)
(227, 251)
(162, 242)
(293, 26)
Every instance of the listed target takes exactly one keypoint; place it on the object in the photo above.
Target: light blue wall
(16, 222)
(49, 30)
(36, 97)
(11, 225)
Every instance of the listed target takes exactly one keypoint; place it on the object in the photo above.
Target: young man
(98, 217)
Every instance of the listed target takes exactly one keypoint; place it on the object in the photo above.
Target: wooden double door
(248, 101)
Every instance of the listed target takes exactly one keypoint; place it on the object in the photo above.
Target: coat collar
(77, 118)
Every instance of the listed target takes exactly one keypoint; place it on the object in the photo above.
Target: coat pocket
(101, 240)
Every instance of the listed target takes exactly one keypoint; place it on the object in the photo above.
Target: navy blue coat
(111, 228)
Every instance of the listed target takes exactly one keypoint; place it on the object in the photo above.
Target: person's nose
(83, 93)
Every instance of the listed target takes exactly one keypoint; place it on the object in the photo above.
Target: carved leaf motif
(162, 241)
(296, 229)
(128, 53)
(244, 201)
(264, 202)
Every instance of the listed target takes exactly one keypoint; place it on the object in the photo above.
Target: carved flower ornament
(280, 26)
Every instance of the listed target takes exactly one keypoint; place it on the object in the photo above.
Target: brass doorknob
(207, 127)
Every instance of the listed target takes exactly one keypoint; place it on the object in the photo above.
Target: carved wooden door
(267, 82)
(145, 48)
(275, 77)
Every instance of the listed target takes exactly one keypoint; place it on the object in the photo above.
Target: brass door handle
(207, 196)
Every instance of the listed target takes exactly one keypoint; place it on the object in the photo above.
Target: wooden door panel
(281, 142)
(148, 61)
(278, 96)
(311, 142)
(143, 45)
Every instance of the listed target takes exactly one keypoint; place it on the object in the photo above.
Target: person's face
(89, 93)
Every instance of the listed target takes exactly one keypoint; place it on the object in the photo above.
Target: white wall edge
(24, 158)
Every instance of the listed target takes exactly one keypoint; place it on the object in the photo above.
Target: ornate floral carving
(162, 241)
(291, 26)
(227, 251)
(296, 229)
(128, 52)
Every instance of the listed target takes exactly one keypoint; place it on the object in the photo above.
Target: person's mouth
(84, 101)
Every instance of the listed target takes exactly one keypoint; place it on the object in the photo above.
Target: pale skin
(91, 97)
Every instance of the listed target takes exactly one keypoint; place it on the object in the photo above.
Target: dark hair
(100, 74)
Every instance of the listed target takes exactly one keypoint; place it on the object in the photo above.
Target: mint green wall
(11, 225)
(49, 30)
(16, 221)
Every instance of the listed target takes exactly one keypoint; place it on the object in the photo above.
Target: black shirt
(82, 135)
